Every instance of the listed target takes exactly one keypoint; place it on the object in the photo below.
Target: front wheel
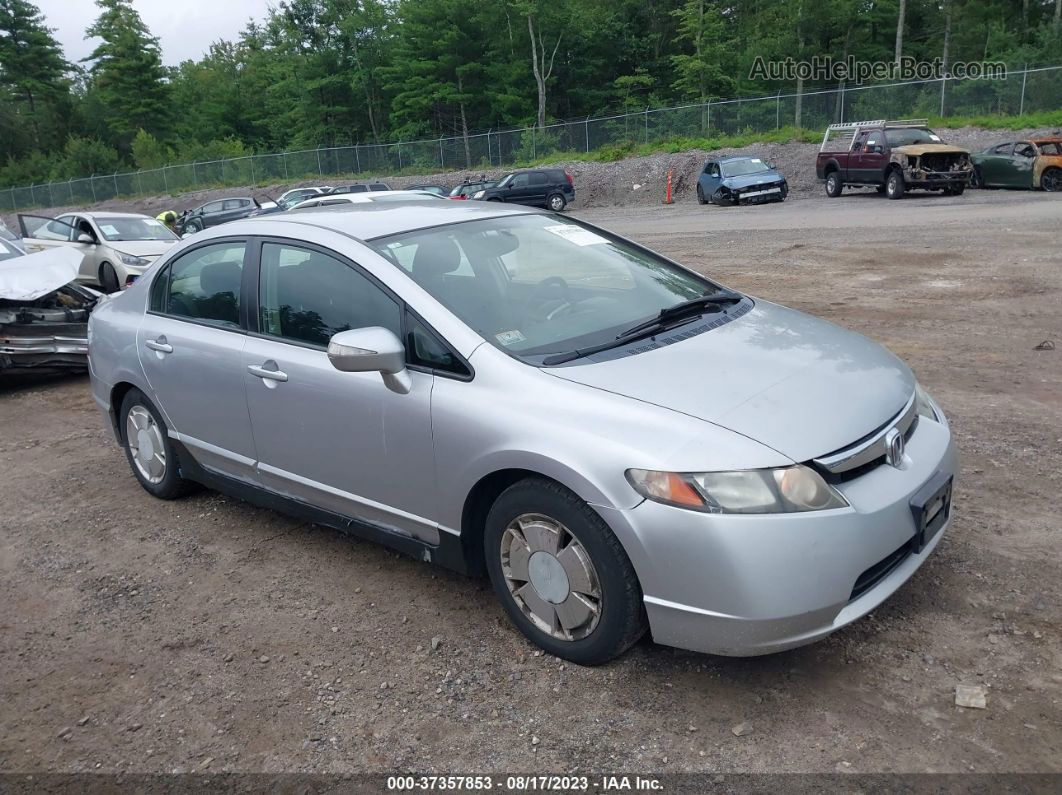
(561, 575)
(192, 227)
(556, 202)
(975, 179)
(1052, 180)
(148, 448)
(955, 190)
(895, 186)
(834, 185)
(108, 278)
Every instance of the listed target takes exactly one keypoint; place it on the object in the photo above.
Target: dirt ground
(204, 634)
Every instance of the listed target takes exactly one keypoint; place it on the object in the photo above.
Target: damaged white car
(43, 311)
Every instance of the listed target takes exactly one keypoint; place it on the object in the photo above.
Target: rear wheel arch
(118, 393)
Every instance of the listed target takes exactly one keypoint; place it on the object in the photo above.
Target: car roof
(369, 220)
(1050, 140)
(95, 215)
(729, 158)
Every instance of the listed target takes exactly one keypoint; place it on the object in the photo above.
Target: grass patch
(1025, 121)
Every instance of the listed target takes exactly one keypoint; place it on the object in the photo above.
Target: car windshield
(903, 137)
(505, 180)
(739, 168)
(535, 285)
(134, 229)
(8, 250)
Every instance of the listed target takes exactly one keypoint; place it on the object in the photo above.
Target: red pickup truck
(892, 156)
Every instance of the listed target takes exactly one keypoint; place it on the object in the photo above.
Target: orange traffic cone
(667, 197)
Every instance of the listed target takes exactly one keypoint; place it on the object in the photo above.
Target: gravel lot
(205, 634)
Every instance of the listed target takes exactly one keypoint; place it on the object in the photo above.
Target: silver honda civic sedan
(619, 443)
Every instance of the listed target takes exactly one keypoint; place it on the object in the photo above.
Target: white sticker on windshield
(108, 230)
(510, 337)
(576, 234)
(934, 137)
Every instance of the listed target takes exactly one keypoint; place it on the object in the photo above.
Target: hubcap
(550, 576)
(1053, 181)
(556, 203)
(144, 438)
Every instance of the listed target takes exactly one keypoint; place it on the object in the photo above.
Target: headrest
(437, 258)
(220, 277)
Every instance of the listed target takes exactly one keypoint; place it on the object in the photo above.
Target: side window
(425, 349)
(520, 181)
(713, 169)
(159, 290)
(537, 178)
(857, 145)
(308, 296)
(213, 207)
(205, 284)
(1002, 149)
(231, 204)
(871, 144)
(1024, 150)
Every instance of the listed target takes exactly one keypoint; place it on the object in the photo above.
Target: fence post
(320, 171)
(399, 155)
(253, 183)
(943, 82)
(92, 185)
(778, 110)
(708, 120)
(115, 177)
(70, 189)
(1024, 77)
(357, 159)
(51, 201)
(646, 124)
(195, 175)
(165, 180)
(841, 120)
(586, 131)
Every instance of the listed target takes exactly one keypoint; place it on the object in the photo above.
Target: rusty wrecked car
(1032, 163)
(892, 156)
(43, 312)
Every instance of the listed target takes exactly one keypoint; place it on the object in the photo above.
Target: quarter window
(204, 284)
(308, 296)
(427, 350)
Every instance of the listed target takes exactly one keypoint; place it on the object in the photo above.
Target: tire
(955, 190)
(521, 523)
(192, 227)
(556, 202)
(167, 484)
(975, 179)
(880, 188)
(700, 196)
(109, 278)
(894, 185)
(1051, 180)
(834, 185)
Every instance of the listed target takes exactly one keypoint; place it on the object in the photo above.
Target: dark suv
(541, 187)
(217, 212)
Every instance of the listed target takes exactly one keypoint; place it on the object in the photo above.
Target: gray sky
(185, 28)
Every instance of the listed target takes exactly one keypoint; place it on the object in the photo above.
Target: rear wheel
(148, 448)
(561, 574)
(555, 202)
(834, 185)
(894, 185)
(108, 278)
(1051, 180)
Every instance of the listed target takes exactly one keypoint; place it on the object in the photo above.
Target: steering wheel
(540, 295)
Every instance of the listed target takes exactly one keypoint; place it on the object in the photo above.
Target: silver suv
(617, 441)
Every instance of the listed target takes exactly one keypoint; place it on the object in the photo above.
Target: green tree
(700, 71)
(33, 70)
(127, 72)
(149, 152)
(83, 157)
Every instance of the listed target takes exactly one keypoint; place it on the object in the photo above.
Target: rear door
(212, 214)
(1021, 164)
(40, 233)
(190, 344)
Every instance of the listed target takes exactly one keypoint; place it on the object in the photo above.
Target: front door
(340, 441)
(1022, 161)
(870, 158)
(995, 165)
(40, 233)
(190, 345)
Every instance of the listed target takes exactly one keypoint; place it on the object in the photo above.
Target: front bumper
(755, 584)
(29, 346)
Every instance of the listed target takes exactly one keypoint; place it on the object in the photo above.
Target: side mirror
(84, 238)
(368, 350)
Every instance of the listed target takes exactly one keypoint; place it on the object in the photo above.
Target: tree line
(332, 72)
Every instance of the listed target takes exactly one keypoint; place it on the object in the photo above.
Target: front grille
(851, 474)
(879, 571)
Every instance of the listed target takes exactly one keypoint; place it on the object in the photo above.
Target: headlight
(129, 259)
(784, 490)
(478, 194)
(927, 407)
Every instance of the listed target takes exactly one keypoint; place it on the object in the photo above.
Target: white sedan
(368, 197)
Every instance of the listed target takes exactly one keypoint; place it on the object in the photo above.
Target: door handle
(159, 345)
(261, 371)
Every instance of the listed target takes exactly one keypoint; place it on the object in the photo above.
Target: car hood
(926, 149)
(28, 278)
(149, 249)
(748, 180)
(797, 384)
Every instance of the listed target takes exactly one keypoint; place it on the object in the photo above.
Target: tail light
(569, 178)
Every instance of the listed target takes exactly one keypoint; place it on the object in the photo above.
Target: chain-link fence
(1026, 91)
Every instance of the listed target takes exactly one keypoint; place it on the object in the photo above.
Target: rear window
(379, 186)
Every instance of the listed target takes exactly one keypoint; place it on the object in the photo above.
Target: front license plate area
(931, 508)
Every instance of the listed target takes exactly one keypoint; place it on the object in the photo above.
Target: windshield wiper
(668, 318)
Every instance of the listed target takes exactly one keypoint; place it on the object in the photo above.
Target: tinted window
(537, 178)
(205, 284)
(520, 181)
(213, 207)
(232, 204)
(308, 296)
(379, 186)
(424, 348)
